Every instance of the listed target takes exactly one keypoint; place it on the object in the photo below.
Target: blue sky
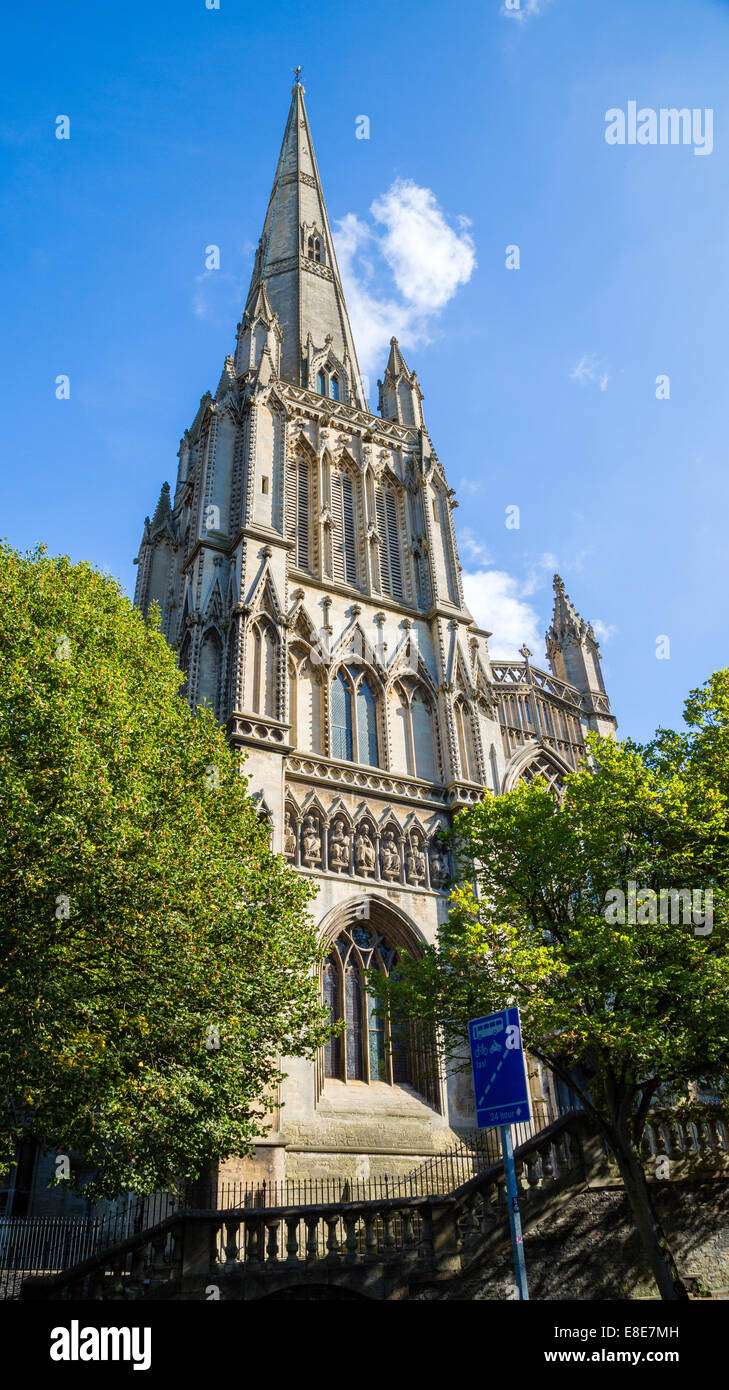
(486, 130)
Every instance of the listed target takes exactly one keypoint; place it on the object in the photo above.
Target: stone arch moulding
(555, 767)
(382, 914)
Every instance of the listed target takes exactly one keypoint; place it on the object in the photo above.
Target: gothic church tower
(308, 577)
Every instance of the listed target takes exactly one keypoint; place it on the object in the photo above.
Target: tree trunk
(655, 1245)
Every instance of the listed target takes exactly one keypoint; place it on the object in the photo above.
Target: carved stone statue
(414, 862)
(438, 865)
(390, 856)
(339, 847)
(364, 852)
(312, 841)
(289, 837)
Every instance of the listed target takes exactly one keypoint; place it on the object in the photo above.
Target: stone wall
(589, 1249)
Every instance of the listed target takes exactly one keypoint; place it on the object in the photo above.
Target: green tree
(620, 1009)
(156, 958)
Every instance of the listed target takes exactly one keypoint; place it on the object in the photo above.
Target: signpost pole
(517, 1244)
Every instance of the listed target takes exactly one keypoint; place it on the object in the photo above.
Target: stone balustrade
(379, 1249)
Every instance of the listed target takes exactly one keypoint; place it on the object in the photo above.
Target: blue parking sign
(499, 1071)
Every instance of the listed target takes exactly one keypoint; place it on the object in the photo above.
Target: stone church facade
(307, 573)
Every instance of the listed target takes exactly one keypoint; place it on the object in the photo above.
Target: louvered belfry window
(344, 548)
(298, 511)
(390, 557)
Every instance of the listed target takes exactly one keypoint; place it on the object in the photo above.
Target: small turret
(259, 332)
(162, 512)
(574, 657)
(400, 393)
(155, 557)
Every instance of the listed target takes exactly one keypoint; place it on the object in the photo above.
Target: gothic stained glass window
(342, 719)
(321, 383)
(332, 1003)
(377, 1045)
(353, 1017)
(334, 388)
(367, 725)
(376, 1036)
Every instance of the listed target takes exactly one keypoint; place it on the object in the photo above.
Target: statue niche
(289, 838)
(415, 861)
(390, 857)
(364, 852)
(311, 842)
(438, 866)
(339, 847)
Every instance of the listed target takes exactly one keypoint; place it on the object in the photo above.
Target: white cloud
(469, 486)
(588, 369)
(603, 631)
(540, 572)
(522, 10)
(496, 601)
(471, 548)
(425, 260)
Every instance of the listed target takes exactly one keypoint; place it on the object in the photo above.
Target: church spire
(296, 268)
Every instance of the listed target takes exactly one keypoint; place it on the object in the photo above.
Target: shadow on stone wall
(589, 1249)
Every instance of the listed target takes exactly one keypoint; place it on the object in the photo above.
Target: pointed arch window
(299, 510)
(376, 1046)
(342, 722)
(330, 989)
(329, 382)
(367, 724)
(344, 539)
(353, 1010)
(391, 567)
(542, 766)
(354, 716)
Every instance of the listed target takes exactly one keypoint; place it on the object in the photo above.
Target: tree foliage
(156, 958)
(626, 1011)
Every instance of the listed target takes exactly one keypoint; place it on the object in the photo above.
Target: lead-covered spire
(297, 265)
